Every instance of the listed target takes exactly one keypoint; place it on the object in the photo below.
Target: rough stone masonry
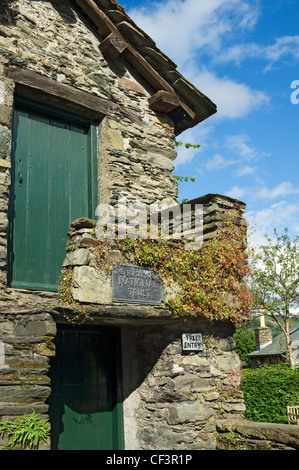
(170, 400)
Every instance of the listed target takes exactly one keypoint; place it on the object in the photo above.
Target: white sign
(2, 355)
(192, 342)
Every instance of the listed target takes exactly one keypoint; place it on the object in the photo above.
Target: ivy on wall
(211, 282)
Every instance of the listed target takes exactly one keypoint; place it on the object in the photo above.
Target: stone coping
(285, 434)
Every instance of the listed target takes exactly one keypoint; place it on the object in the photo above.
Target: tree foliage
(245, 342)
(275, 281)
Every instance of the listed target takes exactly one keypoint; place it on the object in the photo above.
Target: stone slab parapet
(257, 436)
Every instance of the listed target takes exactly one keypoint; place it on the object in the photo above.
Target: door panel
(85, 406)
(53, 183)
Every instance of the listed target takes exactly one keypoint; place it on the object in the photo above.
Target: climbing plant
(209, 282)
(186, 145)
(212, 281)
(180, 179)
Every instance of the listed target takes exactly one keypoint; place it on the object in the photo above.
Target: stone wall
(167, 394)
(88, 280)
(135, 155)
(248, 435)
(6, 102)
(27, 344)
(173, 400)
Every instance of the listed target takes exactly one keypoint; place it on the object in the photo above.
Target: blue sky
(244, 55)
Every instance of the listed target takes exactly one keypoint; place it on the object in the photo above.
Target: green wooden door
(85, 404)
(53, 183)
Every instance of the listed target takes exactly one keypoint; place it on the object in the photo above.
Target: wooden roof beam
(35, 86)
(163, 102)
(114, 44)
(97, 16)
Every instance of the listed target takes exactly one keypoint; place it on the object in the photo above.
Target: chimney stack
(263, 334)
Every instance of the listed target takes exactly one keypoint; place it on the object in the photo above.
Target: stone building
(270, 350)
(89, 110)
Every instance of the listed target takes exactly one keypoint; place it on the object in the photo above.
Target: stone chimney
(263, 334)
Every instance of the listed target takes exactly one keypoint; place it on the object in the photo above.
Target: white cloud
(260, 193)
(266, 217)
(237, 192)
(278, 215)
(234, 100)
(282, 189)
(283, 48)
(296, 227)
(183, 29)
(241, 154)
(195, 24)
(217, 162)
(245, 170)
(238, 145)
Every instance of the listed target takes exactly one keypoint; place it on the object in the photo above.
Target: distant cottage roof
(278, 346)
(174, 95)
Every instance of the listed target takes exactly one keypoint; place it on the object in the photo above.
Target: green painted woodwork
(54, 179)
(85, 406)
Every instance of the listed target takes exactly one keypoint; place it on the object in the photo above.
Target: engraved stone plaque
(133, 284)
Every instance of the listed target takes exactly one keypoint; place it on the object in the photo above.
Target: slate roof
(109, 17)
(278, 346)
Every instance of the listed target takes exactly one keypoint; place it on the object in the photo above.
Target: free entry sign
(192, 342)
